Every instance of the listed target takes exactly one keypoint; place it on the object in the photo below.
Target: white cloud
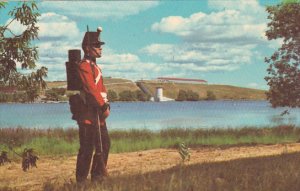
(52, 25)
(253, 85)
(127, 65)
(275, 44)
(130, 66)
(98, 9)
(220, 40)
(59, 31)
(54, 46)
(250, 6)
(203, 56)
(57, 34)
(227, 26)
(110, 56)
(15, 28)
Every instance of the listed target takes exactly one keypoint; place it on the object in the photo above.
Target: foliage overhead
(17, 49)
(283, 71)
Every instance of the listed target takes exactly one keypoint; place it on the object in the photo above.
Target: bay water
(154, 115)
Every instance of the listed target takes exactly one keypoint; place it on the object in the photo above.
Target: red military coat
(93, 90)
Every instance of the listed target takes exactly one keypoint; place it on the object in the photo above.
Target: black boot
(99, 170)
(83, 166)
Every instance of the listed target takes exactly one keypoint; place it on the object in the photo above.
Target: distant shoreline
(57, 102)
(148, 89)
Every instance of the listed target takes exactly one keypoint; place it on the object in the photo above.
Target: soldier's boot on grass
(99, 170)
(82, 166)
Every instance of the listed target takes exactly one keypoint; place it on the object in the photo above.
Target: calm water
(155, 116)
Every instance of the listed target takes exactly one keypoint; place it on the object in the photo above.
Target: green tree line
(20, 97)
(61, 94)
(128, 95)
(190, 95)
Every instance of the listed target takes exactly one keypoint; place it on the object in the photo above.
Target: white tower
(159, 94)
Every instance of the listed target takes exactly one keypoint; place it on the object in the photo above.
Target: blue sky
(221, 41)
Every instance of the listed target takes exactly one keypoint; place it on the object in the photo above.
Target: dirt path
(63, 168)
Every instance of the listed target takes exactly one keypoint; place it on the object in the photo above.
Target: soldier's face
(96, 52)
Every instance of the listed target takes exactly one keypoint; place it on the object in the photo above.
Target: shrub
(127, 95)
(192, 96)
(210, 95)
(51, 95)
(59, 91)
(13, 97)
(187, 96)
(182, 95)
(141, 96)
(112, 96)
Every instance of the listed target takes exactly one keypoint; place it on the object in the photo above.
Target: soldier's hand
(105, 107)
(105, 111)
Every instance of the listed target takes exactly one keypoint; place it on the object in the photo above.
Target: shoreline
(56, 102)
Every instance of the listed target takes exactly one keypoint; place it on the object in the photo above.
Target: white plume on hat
(99, 29)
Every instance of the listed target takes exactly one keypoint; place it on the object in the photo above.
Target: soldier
(93, 132)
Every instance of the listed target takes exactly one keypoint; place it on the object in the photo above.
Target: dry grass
(273, 173)
(57, 84)
(221, 91)
(210, 168)
(119, 85)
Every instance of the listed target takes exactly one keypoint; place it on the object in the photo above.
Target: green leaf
(283, 71)
(3, 4)
(18, 49)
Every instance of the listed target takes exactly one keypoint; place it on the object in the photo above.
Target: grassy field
(272, 173)
(269, 173)
(171, 89)
(65, 141)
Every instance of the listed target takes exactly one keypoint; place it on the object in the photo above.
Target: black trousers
(89, 141)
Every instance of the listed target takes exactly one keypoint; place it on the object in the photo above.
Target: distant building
(182, 80)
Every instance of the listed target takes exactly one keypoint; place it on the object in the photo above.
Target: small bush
(192, 96)
(187, 96)
(127, 95)
(210, 95)
(141, 96)
(112, 96)
(182, 95)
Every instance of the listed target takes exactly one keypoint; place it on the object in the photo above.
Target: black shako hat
(92, 38)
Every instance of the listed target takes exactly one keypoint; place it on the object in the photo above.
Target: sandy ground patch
(60, 169)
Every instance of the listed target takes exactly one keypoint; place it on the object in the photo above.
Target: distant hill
(116, 84)
(221, 91)
(171, 89)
